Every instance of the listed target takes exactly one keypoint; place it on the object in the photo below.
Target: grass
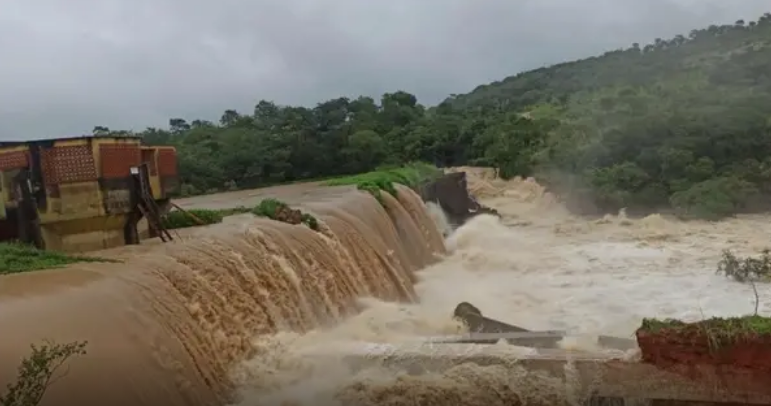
(374, 182)
(279, 211)
(719, 331)
(17, 258)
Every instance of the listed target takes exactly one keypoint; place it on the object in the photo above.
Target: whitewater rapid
(537, 267)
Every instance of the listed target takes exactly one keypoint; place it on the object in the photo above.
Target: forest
(680, 125)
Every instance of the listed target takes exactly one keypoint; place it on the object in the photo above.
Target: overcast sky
(66, 66)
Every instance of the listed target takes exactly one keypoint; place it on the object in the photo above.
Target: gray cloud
(67, 66)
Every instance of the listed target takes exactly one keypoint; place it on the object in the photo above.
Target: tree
(365, 150)
(655, 126)
(100, 130)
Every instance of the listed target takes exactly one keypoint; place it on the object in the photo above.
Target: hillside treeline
(679, 124)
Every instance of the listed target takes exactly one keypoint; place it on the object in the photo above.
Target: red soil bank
(698, 351)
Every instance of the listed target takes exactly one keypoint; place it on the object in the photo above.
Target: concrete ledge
(609, 374)
(538, 339)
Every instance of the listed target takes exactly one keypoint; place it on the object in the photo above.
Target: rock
(450, 192)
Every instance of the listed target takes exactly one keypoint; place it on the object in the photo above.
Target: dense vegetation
(681, 123)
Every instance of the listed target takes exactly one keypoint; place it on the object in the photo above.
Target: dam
(242, 312)
(167, 325)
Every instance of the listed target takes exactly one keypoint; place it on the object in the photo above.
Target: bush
(39, 371)
(277, 210)
(17, 257)
(745, 269)
(192, 218)
(268, 208)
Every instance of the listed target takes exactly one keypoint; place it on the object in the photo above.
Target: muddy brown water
(166, 326)
(243, 312)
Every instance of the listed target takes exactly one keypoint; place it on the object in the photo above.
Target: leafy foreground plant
(277, 210)
(39, 371)
(411, 175)
(747, 269)
(17, 257)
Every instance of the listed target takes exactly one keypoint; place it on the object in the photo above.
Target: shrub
(39, 371)
(745, 269)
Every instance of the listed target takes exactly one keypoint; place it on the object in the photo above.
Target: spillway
(168, 325)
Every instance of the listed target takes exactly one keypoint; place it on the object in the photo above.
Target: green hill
(679, 124)
(713, 52)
